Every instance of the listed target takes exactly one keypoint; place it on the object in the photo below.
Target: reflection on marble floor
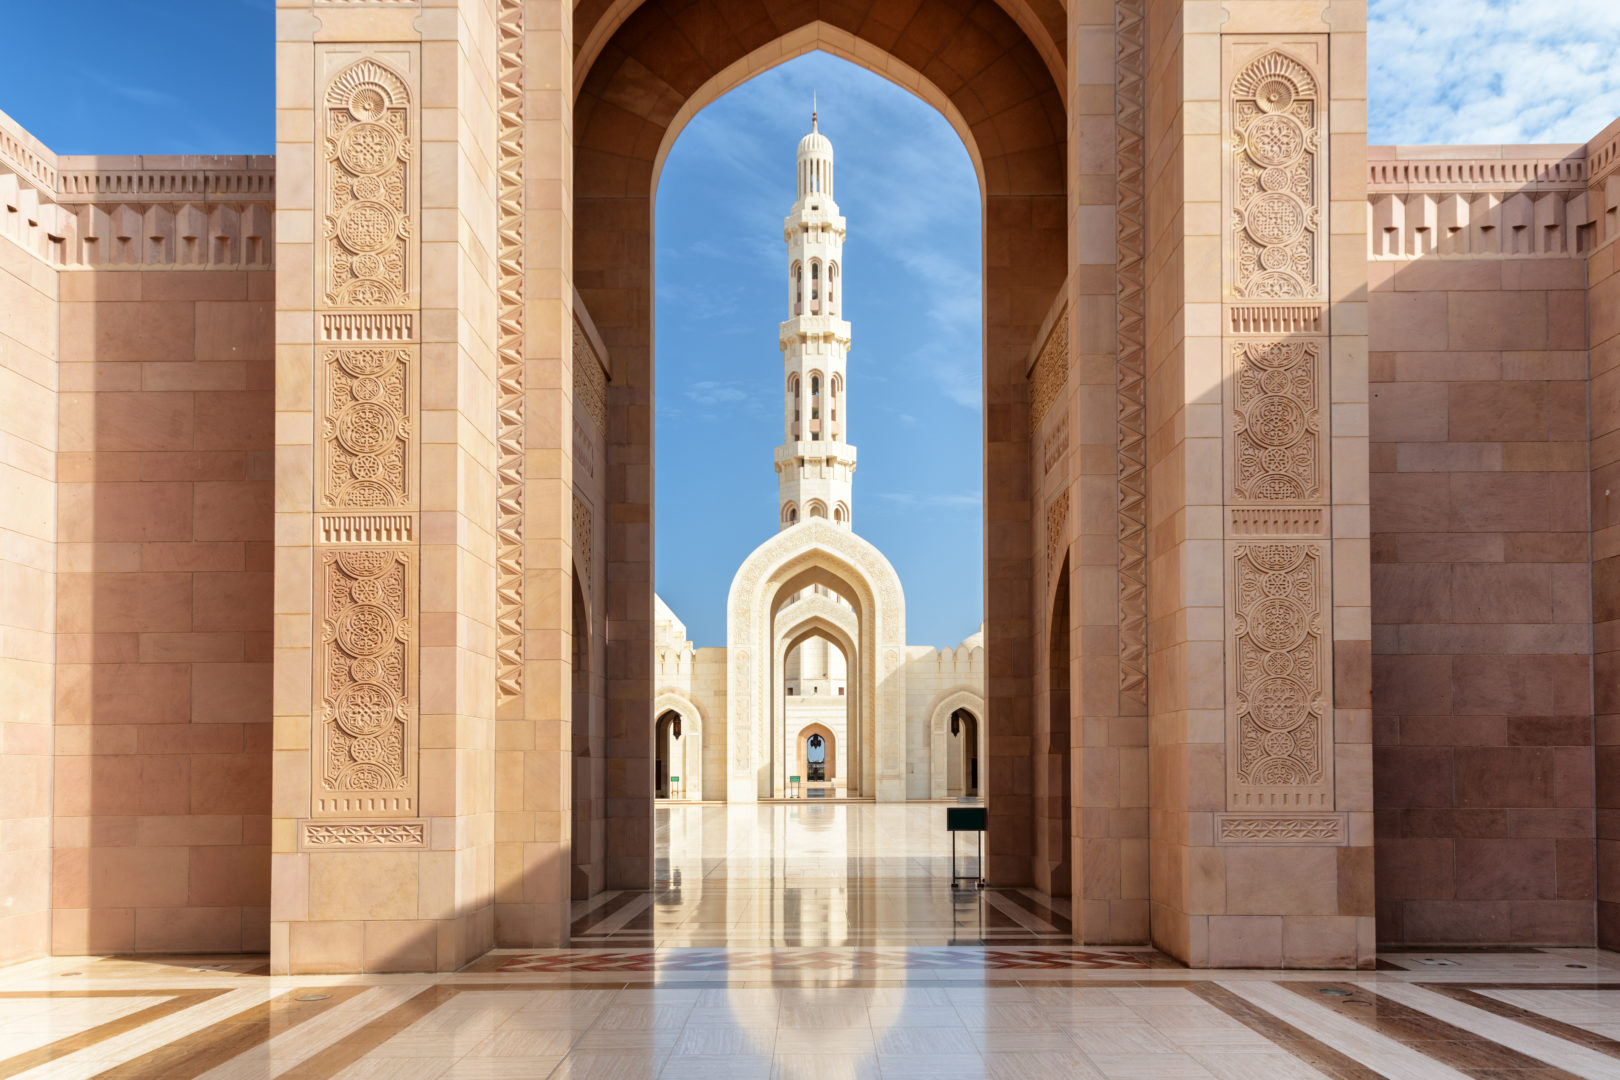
(804, 873)
(822, 942)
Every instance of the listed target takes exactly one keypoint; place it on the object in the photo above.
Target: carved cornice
(1480, 206)
(151, 212)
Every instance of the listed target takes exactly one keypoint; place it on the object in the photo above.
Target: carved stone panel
(590, 382)
(368, 192)
(1276, 128)
(368, 406)
(1050, 373)
(1274, 447)
(1279, 723)
(364, 759)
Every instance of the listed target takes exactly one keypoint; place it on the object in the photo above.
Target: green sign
(674, 779)
(793, 779)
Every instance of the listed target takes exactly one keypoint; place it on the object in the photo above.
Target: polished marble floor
(756, 957)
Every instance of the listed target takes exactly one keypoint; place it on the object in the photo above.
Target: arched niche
(939, 726)
(816, 552)
(692, 728)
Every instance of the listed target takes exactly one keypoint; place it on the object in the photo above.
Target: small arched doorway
(818, 757)
(962, 755)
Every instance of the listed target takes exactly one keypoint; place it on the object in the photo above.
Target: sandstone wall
(162, 771)
(28, 382)
(1481, 601)
(1603, 321)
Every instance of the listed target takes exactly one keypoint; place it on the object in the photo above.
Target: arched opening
(817, 759)
(817, 652)
(633, 100)
(962, 755)
(1053, 782)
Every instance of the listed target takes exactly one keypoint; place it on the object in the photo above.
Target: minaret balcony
(802, 327)
(795, 454)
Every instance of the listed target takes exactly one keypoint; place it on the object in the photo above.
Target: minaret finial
(813, 111)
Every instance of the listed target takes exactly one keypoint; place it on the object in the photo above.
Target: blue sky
(911, 294)
(196, 76)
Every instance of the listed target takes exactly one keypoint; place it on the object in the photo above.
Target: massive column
(385, 490)
(1259, 629)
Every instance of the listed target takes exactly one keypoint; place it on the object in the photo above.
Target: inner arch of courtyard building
(632, 102)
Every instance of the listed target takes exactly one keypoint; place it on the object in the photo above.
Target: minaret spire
(815, 464)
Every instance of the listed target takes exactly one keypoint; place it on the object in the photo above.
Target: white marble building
(816, 681)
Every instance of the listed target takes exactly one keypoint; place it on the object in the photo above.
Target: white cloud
(1492, 71)
(716, 393)
(965, 500)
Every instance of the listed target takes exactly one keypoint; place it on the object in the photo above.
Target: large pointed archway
(980, 68)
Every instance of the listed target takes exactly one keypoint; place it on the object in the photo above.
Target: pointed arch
(692, 727)
(817, 553)
(939, 719)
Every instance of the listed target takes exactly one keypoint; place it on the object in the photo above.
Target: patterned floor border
(861, 959)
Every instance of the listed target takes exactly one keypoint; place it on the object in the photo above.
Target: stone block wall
(28, 383)
(1481, 601)
(163, 611)
(1603, 322)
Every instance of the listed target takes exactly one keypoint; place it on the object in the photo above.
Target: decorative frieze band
(395, 835)
(1276, 319)
(1280, 829)
(1130, 364)
(368, 327)
(509, 359)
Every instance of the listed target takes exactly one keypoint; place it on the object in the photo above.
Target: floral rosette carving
(366, 428)
(366, 711)
(1280, 707)
(367, 213)
(1277, 422)
(1276, 214)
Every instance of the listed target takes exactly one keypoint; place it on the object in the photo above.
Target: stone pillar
(385, 496)
(535, 574)
(1259, 620)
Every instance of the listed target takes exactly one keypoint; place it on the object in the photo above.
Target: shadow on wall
(163, 697)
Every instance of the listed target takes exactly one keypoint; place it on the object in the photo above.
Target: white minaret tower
(815, 466)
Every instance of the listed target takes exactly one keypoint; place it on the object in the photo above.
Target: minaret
(815, 466)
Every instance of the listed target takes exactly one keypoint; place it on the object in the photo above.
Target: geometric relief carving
(367, 224)
(1276, 422)
(590, 382)
(1278, 240)
(1280, 739)
(1057, 518)
(367, 401)
(365, 758)
(1275, 829)
(582, 540)
(1050, 373)
(509, 361)
(1130, 326)
(365, 834)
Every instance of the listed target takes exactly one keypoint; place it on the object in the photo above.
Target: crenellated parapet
(141, 212)
(1479, 202)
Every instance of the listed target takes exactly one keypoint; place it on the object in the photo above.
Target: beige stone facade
(326, 528)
